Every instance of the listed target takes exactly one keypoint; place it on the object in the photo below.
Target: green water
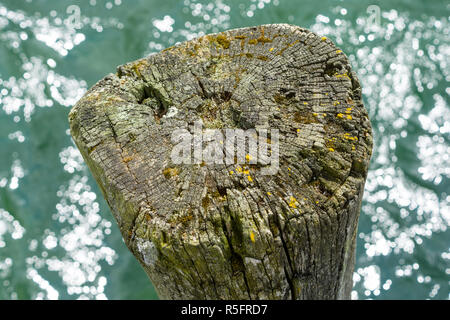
(57, 237)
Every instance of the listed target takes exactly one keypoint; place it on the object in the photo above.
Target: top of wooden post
(270, 77)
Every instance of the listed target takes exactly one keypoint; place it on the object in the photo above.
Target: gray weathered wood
(227, 231)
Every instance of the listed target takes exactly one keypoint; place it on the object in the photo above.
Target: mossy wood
(228, 231)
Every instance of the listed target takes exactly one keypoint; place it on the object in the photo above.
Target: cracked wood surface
(227, 231)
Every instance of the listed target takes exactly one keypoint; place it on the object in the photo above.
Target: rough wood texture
(227, 231)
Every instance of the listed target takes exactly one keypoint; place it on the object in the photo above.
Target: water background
(58, 239)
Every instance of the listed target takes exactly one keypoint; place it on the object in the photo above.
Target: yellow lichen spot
(252, 236)
(340, 115)
(324, 38)
(298, 130)
(248, 157)
(239, 169)
(349, 117)
(317, 202)
(289, 169)
(127, 159)
(348, 110)
(324, 114)
(305, 103)
(271, 49)
(338, 51)
(292, 202)
(353, 148)
(249, 178)
(331, 149)
(315, 114)
(269, 193)
(170, 172)
(231, 171)
(223, 41)
(246, 172)
(342, 75)
(336, 103)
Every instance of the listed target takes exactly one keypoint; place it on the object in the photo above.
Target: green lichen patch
(171, 172)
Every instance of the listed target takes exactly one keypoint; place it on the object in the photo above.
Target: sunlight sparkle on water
(402, 64)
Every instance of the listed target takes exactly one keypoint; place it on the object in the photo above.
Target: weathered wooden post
(231, 231)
